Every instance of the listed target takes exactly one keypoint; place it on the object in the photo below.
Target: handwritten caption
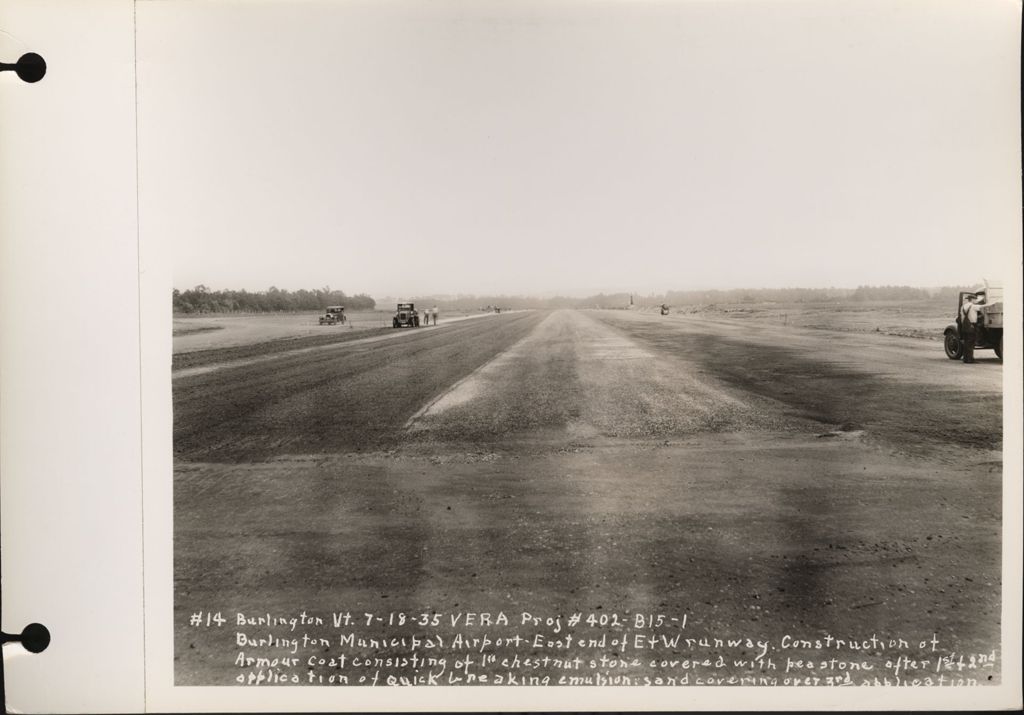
(522, 648)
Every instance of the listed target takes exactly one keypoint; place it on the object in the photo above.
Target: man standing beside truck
(969, 326)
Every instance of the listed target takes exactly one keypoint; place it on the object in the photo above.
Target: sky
(578, 146)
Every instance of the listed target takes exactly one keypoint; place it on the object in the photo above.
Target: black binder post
(30, 67)
(34, 638)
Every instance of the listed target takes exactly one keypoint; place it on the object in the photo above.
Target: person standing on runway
(969, 325)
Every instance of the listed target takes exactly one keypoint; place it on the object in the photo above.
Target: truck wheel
(954, 348)
(999, 348)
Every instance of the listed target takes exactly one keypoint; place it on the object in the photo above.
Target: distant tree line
(203, 300)
(756, 295)
(273, 300)
(889, 293)
(692, 297)
(512, 302)
(518, 302)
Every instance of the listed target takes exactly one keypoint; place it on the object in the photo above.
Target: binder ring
(35, 637)
(30, 67)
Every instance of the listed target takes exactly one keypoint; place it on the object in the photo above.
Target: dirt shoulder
(213, 356)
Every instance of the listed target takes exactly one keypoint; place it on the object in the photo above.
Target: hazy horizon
(583, 294)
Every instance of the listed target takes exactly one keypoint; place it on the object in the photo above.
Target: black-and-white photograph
(510, 355)
(584, 343)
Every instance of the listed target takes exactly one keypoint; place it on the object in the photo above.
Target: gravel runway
(760, 480)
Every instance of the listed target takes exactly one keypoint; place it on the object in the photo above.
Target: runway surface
(760, 479)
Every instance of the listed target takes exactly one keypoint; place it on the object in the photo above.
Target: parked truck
(335, 315)
(406, 316)
(990, 322)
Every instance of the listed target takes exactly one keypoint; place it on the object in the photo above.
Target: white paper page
(69, 359)
(409, 150)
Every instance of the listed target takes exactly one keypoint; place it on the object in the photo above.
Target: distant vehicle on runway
(338, 311)
(990, 322)
(406, 316)
(335, 315)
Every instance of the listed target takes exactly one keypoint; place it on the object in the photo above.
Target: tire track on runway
(575, 378)
(530, 391)
(471, 386)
